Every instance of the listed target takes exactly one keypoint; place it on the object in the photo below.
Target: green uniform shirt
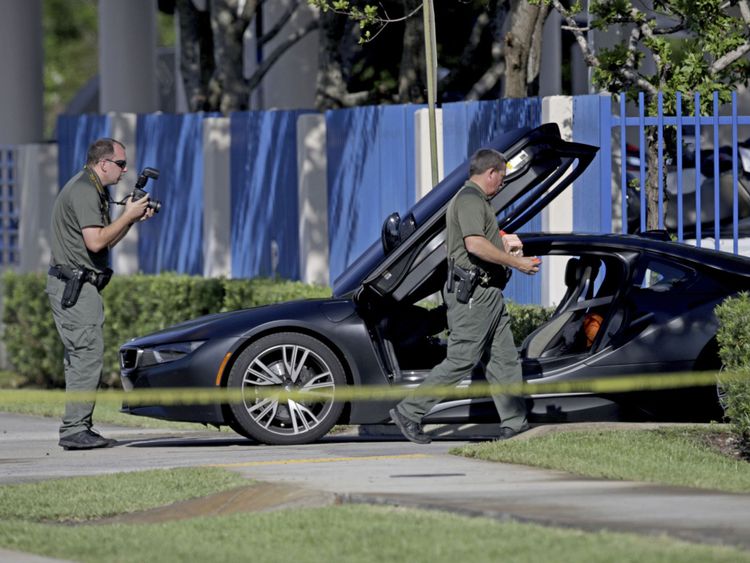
(470, 213)
(79, 204)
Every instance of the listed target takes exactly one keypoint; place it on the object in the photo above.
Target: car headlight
(167, 352)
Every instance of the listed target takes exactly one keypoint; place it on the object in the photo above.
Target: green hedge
(734, 349)
(525, 318)
(140, 304)
(134, 305)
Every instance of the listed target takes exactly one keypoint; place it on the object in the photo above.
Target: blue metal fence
(708, 189)
(9, 208)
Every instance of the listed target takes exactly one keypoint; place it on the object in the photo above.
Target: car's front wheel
(293, 363)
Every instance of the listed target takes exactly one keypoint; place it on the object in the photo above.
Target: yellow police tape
(193, 396)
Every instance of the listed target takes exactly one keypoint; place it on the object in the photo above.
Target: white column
(217, 255)
(312, 198)
(423, 164)
(557, 217)
(38, 188)
(127, 56)
(125, 252)
(550, 71)
(21, 63)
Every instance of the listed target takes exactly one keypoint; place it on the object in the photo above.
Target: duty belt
(98, 279)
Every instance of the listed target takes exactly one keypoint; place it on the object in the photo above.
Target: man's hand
(528, 264)
(97, 239)
(485, 250)
(512, 244)
(137, 210)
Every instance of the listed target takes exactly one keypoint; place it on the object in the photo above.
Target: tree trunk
(652, 180)
(412, 80)
(336, 45)
(523, 47)
(196, 53)
(498, 10)
(228, 88)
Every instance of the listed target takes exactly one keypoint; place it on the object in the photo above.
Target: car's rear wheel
(286, 362)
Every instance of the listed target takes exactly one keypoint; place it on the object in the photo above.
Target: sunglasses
(120, 163)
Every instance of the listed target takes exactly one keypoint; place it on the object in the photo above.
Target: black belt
(497, 278)
(98, 279)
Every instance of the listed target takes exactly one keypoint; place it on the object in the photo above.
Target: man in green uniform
(481, 323)
(82, 235)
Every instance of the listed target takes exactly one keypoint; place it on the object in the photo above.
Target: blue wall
(370, 152)
(467, 126)
(74, 135)
(173, 239)
(370, 175)
(264, 196)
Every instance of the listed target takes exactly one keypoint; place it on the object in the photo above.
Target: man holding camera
(478, 258)
(82, 235)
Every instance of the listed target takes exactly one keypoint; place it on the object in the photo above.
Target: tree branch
(724, 61)
(280, 23)
(591, 59)
(588, 54)
(276, 54)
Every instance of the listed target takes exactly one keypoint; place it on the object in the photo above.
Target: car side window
(658, 276)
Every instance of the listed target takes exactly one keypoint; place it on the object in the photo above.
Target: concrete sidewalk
(381, 469)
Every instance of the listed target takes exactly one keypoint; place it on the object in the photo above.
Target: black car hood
(540, 166)
(244, 321)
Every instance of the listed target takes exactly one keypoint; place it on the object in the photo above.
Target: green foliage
(71, 51)
(241, 294)
(687, 39)
(734, 349)
(734, 332)
(525, 318)
(366, 16)
(31, 340)
(134, 305)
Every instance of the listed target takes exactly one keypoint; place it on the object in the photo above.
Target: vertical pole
(431, 66)
(21, 100)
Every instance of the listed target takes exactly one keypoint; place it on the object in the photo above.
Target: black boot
(411, 430)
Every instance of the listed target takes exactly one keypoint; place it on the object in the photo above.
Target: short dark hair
(486, 159)
(100, 149)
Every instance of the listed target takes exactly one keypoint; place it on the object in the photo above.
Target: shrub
(134, 305)
(734, 349)
(141, 304)
(31, 341)
(524, 319)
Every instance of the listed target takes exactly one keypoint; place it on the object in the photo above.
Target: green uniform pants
(480, 326)
(81, 331)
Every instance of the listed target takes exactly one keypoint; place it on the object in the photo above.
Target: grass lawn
(347, 533)
(78, 499)
(106, 412)
(677, 455)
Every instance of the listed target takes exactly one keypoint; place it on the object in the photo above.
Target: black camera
(139, 192)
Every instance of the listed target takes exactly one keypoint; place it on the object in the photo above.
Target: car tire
(293, 362)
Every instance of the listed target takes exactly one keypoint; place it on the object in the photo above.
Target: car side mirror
(389, 234)
(395, 230)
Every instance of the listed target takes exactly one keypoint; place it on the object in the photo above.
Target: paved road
(382, 469)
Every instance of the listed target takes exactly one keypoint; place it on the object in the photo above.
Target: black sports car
(652, 301)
